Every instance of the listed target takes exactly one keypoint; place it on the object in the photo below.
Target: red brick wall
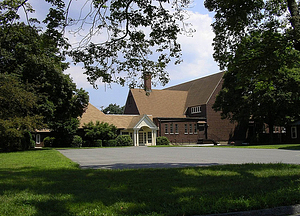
(181, 136)
(218, 129)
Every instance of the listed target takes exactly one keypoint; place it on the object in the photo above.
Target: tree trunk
(295, 21)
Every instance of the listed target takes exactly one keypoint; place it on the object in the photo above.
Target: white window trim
(166, 129)
(171, 129)
(186, 129)
(196, 109)
(191, 128)
(176, 129)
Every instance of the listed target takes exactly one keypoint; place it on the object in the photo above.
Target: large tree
(35, 57)
(17, 113)
(122, 40)
(257, 43)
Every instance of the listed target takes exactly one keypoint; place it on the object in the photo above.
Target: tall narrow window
(166, 129)
(294, 132)
(176, 129)
(171, 128)
(195, 128)
(191, 128)
(185, 128)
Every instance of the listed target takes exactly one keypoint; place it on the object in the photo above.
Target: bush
(162, 141)
(49, 141)
(124, 140)
(97, 143)
(77, 141)
(112, 143)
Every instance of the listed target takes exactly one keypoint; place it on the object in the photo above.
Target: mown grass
(44, 182)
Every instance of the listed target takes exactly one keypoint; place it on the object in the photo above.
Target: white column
(153, 136)
(136, 137)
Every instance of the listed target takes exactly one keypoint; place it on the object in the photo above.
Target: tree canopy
(257, 43)
(113, 109)
(121, 40)
(35, 59)
(17, 113)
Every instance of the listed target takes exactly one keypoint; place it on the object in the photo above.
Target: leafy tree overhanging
(140, 37)
(257, 43)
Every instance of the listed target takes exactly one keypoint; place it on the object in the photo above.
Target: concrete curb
(282, 210)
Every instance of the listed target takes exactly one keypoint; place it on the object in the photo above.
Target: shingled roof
(199, 90)
(160, 103)
(172, 102)
(120, 121)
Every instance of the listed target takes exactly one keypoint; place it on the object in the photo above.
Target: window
(166, 129)
(38, 139)
(195, 128)
(171, 128)
(149, 137)
(191, 128)
(185, 128)
(196, 109)
(176, 129)
(294, 132)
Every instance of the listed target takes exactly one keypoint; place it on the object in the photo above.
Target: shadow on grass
(184, 191)
(297, 147)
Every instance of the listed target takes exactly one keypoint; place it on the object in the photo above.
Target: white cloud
(78, 76)
(196, 51)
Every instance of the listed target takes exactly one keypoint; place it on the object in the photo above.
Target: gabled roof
(160, 103)
(120, 121)
(172, 102)
(199, 90)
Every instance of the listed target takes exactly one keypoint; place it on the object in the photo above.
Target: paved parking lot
(146, 157)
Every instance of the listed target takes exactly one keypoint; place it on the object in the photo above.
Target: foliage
(162, 140)
(258, 43)
(99, 131)
(97, 143)
(77, 141)
(64, 130)
(112, 143)
(28, 177)
(113, 109)
(35, 57)
(236, 19)
(17, 114)
(49, 141)
(136, 36)
(124, 140)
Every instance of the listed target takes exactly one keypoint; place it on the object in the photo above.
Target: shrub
(97, 143)
(124, 140)
(99, 131)
(49, 141)
(162, 141)
(77, 141)
(112, 143)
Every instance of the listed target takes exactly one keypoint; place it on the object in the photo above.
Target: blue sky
(196, 54)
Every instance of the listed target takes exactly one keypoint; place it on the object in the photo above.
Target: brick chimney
(147, 82)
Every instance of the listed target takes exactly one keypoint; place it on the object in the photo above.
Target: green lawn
(44, 182)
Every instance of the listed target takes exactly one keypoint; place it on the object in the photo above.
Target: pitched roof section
(160, 103)
(200, 90)
(120, 121)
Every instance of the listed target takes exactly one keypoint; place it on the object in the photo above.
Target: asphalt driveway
(145, 157)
